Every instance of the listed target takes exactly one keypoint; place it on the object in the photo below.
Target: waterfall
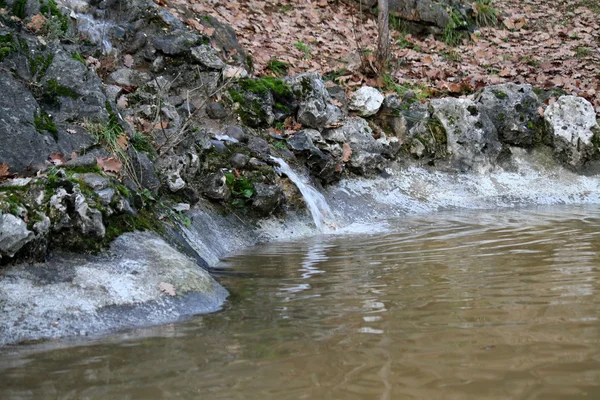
(315, 201)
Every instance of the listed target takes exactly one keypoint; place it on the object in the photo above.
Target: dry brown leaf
(4, 171)
(73, 156)
(37, 23)
(540, 111)
(346, 152)
(167, 288)
(122, 103)
(123, 141)
(109, 164)
(57, 158)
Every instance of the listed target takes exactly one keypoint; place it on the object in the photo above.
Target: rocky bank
(116, 118)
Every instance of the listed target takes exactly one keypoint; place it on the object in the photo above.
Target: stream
(500, 304)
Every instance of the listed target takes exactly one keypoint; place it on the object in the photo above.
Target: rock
(266, 198)
(13, 235)
(215, 187)
(77, 90)
(239, 161)
(101, 294)
(95, 181)
(513, 110)
(258, 146)
(215, 110)
(176, 43)
(426, 13)
(129, 77)
(30, 142)
(113, 92)
(231, 72)
(314, 110)
(471, 137)
(207, 57)
(358, 133)
(225, 38)
(237, 133)
(87, 220)
(175, 182)
(145, 171)
(366, 100)
(573, 128)
(219, 146)
(181, 207)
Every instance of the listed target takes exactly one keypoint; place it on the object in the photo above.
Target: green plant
(397, 23)
(19, 8)
(40, 64)
(452, 55)
(452, 34)
(485, 14)
(421, 92)
(304, 48)
(279, 68)
(280, 145)
(240, 187)
(77, 57)
(6, 45)
(142, 142)
(43, 122)
(582, 52)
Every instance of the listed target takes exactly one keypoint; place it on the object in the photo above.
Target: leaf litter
(546, 44)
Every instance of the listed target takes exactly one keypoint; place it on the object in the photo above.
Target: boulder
(366, 100)
(266, 198)
(145, 281)
(315, 109)
(471, 137)
(574, 130)
(13, 235)
(513, 109)
(176, 43)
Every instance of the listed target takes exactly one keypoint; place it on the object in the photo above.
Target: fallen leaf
(73, 156)
(540, 111)
(71, 131)
(123, 141)
(122, 102)
(37, 23)
(109, 164)
(57, 158)
(4, 171)
(167, 288)
(346, 152)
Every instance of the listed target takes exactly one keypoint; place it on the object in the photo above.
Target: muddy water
(477, 305)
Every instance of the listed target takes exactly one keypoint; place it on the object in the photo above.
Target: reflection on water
(485, 305)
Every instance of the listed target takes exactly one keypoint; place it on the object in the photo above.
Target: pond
(450, 305)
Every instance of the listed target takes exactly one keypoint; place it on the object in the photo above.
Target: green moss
(142, 142)
(499, 94)
(39, 65)
(57, 90)
(43, 122)
(263, 85)
(95, 169)
(279, 68)
(6, 45)
(123, 190)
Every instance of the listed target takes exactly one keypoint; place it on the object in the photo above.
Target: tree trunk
(383, 38)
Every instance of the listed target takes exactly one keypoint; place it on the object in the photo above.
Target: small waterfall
(315, 201)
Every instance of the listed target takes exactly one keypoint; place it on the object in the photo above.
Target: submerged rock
(73, 295)
(573, 126)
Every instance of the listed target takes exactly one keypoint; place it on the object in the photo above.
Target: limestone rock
(573, 126)
(215, 187)
(513, 110)
(366, 100)
(207, 57)
(13, 234)
(266, 198)
(472, 139)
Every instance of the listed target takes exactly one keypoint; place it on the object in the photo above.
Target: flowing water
(451, 305)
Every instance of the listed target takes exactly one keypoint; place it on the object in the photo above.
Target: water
(450, 305)
(315, 201)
